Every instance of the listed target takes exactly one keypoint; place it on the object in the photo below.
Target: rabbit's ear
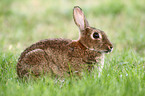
(80, 18)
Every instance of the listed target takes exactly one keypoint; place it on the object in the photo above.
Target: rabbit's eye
(95, 35)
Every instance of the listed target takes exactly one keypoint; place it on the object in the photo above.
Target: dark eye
(96, 35)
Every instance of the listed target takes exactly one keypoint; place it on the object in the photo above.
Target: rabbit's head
(91, 38)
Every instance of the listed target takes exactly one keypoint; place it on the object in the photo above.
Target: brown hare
(62, 56)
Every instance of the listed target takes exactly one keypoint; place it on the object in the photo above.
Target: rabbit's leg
(56, 70)
(35, 63)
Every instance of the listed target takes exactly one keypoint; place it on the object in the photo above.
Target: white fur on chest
(100, 65)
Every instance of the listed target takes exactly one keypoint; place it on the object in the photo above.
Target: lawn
(24, 22)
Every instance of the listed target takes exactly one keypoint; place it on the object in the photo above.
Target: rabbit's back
(45, 44)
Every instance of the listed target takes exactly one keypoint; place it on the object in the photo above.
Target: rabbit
(63, 57)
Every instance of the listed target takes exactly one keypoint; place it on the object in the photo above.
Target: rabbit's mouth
(107, 51)
(101, 51)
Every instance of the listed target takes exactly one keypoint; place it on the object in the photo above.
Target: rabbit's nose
(110, 48)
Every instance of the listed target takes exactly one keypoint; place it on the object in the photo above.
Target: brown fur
(60, 56)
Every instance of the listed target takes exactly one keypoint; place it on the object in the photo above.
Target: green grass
(23, 22)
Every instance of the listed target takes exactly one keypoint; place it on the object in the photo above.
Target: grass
(23, 22)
